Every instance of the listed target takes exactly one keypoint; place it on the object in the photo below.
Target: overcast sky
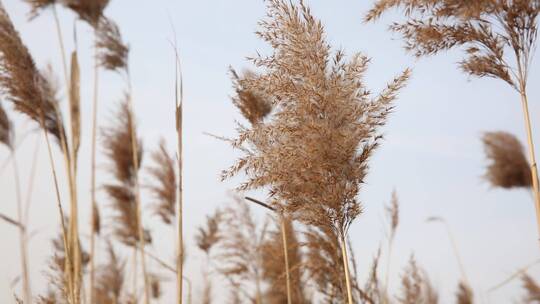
(431, 155)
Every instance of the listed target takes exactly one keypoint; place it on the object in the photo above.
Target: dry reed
(273, 256)
(532, 288)
(164, 188)
(118, 148)
(416, 287)
(110, 278)
(498, 36)
(239, 251)
(464, 294)
(317, 98)
(508, 167)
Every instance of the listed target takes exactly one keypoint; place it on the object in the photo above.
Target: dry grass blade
(118, 148)
(508, 166)
(30, 91)
(75, 106)
(6, 131)
(464, 295)
(532, 288)
(164, 188)
(112, 52)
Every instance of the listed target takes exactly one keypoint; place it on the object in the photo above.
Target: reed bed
(309, 127)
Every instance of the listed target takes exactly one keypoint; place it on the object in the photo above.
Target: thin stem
(178, 90)
(61, 213)
(22, 235)
(286, 255)
(532, 158)
(456, 253)
(387, 274)
(345, 258)
(30, 189)
(135, 156)
(93, 173)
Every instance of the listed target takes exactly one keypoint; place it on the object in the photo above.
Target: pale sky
(432, 154)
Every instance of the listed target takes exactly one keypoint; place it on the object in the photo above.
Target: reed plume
(273, 260)
(372, 292)
(209, 235)
(33, 94)
(110, 278)
(498, 36)
(323, 263)
(317, 98)
(118, 148)
(532, 288)
(464, 294)
(508, 167)
(164, 188)
(6, 138)
(240, 250)
(415, 286)
(111, 54)
(6, 130)
(90, 11)
(112, 51)
(206, 238)
(28, 89)
(252, 105)
(58, 277)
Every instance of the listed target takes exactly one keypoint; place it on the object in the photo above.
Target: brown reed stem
(23, 242)
(178, 90)
(286, 255)
(532, 158)
(345, 258)
(93, 171)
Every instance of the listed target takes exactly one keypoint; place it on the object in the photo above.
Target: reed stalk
(179, 216)
(345, 258)
(93, 171)
(135, 158)
(23, 241)
(286, 255)
(532, 158)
